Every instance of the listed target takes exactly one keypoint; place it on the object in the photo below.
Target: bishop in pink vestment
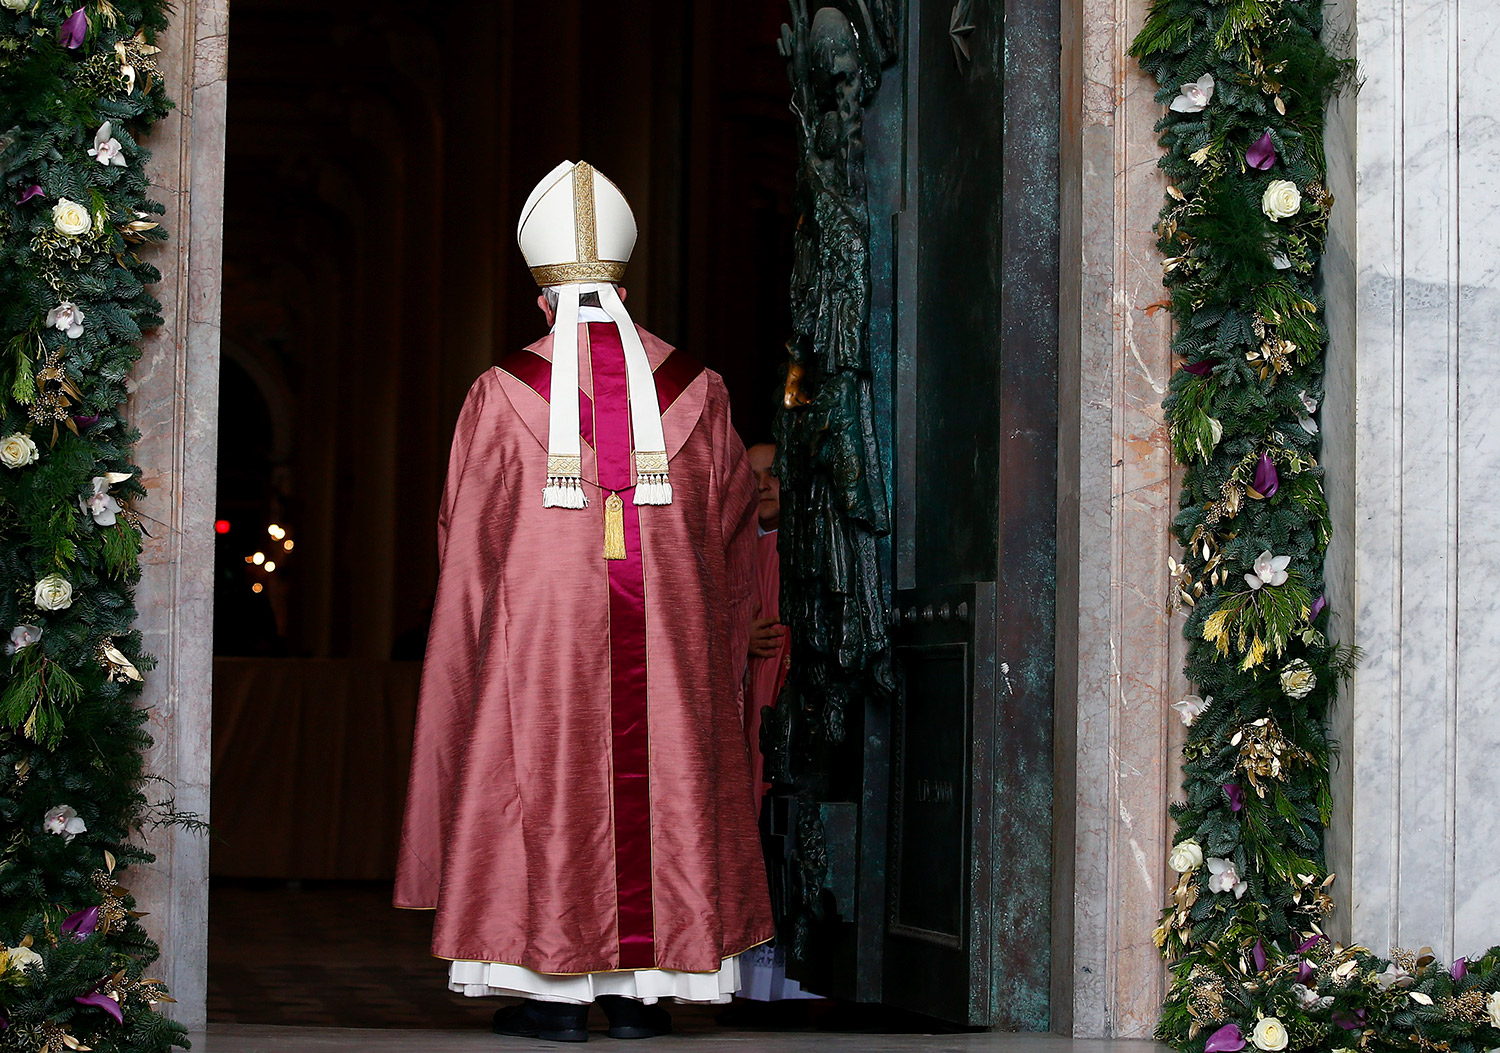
(578, 802)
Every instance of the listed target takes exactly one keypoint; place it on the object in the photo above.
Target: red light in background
(221, 526)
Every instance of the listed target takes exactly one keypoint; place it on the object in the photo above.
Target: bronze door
(970, 815)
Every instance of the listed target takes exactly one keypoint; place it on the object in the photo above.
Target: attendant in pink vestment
(770, 644)
(580, 813)
(763, 971)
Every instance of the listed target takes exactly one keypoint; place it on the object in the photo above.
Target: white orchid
(22, 637)
(68, 318)
(100, 504)
(1191, 708)
(1224, 878)
(1269, 570)
(1394, 976)
(1308, 425)
(1308, 402)
(107, 149)
(63, 820)
(1196, 96)
(1310, 999)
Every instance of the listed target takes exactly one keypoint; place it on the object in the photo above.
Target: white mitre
(577, 232)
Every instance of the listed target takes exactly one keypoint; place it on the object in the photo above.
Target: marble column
(1118, 650)
(1412, 454)
(175, 405)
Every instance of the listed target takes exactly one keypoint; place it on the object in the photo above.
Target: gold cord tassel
(614, 527)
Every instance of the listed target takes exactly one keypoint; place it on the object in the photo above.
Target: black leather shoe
(629, 1018)
(550, 1021)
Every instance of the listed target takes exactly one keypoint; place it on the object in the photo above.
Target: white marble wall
(1414, 458)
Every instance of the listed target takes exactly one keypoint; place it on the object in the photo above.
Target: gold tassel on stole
(614, 527)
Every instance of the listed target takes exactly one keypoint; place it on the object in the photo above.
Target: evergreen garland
(79, 88)
(1246, 83)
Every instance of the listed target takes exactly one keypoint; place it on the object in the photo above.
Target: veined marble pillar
(175, 405)
(1413, 452)
(1118, 652)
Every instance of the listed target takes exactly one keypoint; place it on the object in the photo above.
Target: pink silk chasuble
(579, 798)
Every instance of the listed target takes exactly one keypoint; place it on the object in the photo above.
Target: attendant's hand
(765, 637)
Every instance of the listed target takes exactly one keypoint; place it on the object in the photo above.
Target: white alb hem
(477, 979)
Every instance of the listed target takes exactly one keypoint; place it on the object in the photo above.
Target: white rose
(1270, 1035)
(1298, 678)
(1185, 856)
(16, 5)
(1281, 200)
(69, 217)
(17, 451)
(68, 318)
(22, 637)
(22, 957)
(1493, 1008)
(53, 593)
(63, 820)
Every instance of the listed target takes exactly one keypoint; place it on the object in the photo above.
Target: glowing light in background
(287, 544)
(257, 587)
(270, 566)
(258, 558)
(221, 526)
(275, 531)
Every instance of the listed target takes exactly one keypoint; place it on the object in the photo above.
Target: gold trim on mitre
(568, 273)
(585, 222)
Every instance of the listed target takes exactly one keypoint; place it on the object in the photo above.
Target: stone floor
(332, 968)
(247, 1038)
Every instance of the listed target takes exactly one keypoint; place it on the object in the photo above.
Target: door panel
(975, 514)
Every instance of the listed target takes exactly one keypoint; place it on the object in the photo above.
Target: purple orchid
(102, 1001)
(30, 192)
(1266, 480)
(1317, 608)
(74, 31)
(1198, 369)
(81, 924)
(86, 422)
(1236, 802)
(1262, 154)
(1258, 956)
(1460, 969)
(1305, 971)
(1311, 942)
(1228, 1039)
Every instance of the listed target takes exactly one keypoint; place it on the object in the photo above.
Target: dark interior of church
(374, 175)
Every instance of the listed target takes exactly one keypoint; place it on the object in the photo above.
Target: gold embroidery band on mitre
(568, 273)
(585, 224)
